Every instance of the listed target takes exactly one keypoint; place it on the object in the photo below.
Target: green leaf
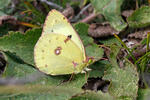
(124, 82)
(110, 41)
(140, 17)
(15, 68)
(38, 92)
(44, 87)
(91, 95)
(21, 44)
(4, 3)
(82, 30)
(111, 9)
(98, 68)
(143, 94)
(92, 49)
(21, 47)
(4, 29)
(2, 13)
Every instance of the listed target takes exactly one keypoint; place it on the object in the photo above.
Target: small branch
(81, 12)
(52, 4)
(89, 18)
(137, 4)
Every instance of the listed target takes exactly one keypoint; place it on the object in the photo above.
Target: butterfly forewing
(57, 23)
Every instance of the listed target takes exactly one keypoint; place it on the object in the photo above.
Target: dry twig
(52, 4)
(81, 12)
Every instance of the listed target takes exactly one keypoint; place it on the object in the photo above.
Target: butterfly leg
(86, 77)
(71, 77)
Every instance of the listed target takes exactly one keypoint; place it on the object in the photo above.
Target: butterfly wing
(53, 55)
(58, 23)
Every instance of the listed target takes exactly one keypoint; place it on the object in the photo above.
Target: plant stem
(148, 40)
(148, 53)
(52, 4)
(124, 45)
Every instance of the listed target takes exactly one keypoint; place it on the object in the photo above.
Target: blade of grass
(37, 13)
(148, 53)
(124, 45)
(27, 11)
(148, 40)
(28, 25)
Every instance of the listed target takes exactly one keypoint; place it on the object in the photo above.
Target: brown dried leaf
(127, 13)
(100, 30)
(141, 34)
(68, 12)
(8, 19)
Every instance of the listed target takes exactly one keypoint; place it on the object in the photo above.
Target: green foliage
(143, 94)
(98, 68)
(16, 68)
(124, 82)
(21, 44)
(89, 95)
(39, 92)
(3, 5)
(18, 49)
(92, 49)
(62, 3)
(82, 30)
(110, 41)
(37, 15)
(20, 56)
(4, 29)
(140, 17)
(111, 9)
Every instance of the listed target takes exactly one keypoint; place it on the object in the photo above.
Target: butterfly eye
(69, 36)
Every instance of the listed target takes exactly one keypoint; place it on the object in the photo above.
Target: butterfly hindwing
(56, 56)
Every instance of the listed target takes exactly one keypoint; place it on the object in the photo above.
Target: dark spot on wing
(52, 31)
(63, 18)
(46, 65)
(42, 50)
(57, 51)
